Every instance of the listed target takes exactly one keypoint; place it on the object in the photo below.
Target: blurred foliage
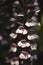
(2, 2)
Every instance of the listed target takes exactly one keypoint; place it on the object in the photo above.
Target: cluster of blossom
(24, 46)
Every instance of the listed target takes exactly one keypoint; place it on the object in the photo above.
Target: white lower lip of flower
(12, 35)
(12, 19)
(20, 44)
(31, 37)
(19, 31)
(27, 24)
(20, 15)
(14, 62)
(25, 45)
(13, 49)
(33, 47)
(22, 56)
(24, 32)
(38, 11)
(30, 24)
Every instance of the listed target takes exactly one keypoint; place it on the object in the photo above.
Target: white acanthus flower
(33, 46)
(21, 30)
(23, 44)
(31, 22)
(24, 55)
(32, 37)
(14, 61)
(13, 47)
(13, 35)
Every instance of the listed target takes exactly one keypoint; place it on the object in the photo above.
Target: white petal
(28, 11)
(19, 31)
(12, 19)
(38, 11)
(34, 36)
(12, 25)
(20, 15)
(14, 62)
(13, 49)
(23, 45)
(12, 35)
(17, 62)
(24, 31)
(29, 56)
(22, 56)
(16, 2)
(27, 24)
(27, 44)
(30, 24)
(19, 43)
(33, 24)
(29, 37)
